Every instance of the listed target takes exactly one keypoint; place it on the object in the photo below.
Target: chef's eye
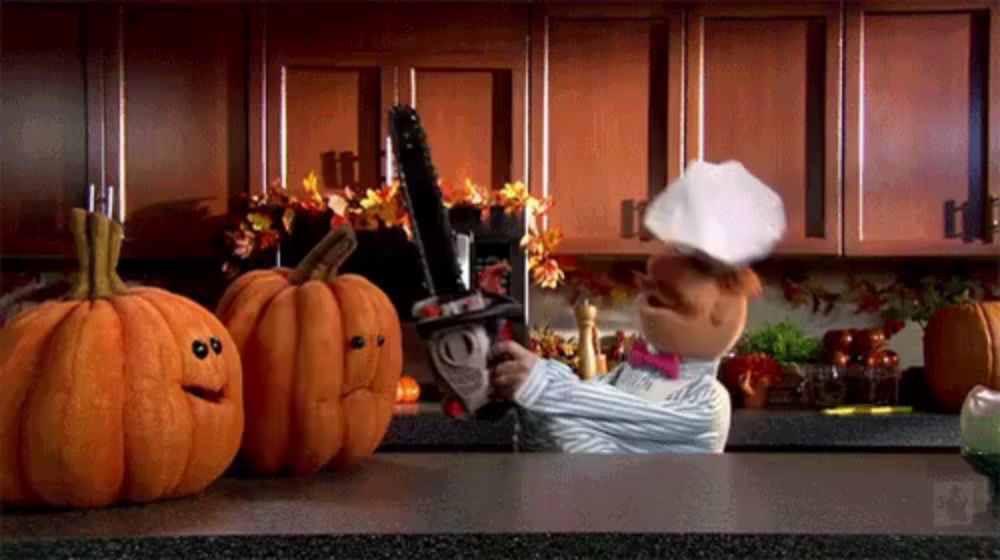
(200, 349)
(358, 342)
(216, 345)
(380, 340)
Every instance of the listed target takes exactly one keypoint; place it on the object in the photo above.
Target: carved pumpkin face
(126, 395)
(322, 353)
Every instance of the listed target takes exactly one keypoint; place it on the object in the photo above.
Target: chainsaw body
(460, 324)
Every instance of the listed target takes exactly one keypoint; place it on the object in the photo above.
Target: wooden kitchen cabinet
(606, 119)
(44, 161)
(764, 88)
(149, 101)
(465, 70)
(922, 143)
(179, 144)
(335, 70)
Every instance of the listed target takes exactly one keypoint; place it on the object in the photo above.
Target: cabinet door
(764, 89)
(177, 131)
(922, 148)
(606, 114)
(44, 166)
(464, 68)
(329, 88)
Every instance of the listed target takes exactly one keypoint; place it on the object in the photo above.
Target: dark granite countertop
(540, 505)
(425, 428)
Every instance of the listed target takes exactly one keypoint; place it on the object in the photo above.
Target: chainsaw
(459, 324)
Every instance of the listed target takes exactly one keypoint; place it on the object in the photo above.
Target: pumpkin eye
(200, 349)
(216, 345)
(358, 342)
(380, 340)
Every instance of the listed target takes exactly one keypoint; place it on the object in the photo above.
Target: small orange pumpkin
(962, 350)
(117, 394)
(407, 390)
(322, 353)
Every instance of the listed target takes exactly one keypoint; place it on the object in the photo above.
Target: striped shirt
(629, 410)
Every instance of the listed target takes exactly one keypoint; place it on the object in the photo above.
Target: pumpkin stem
(100, 253)
(326, 258)
(98, 246)
(81, 284)
(117, 236)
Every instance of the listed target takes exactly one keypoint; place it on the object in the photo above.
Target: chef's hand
(510, 365)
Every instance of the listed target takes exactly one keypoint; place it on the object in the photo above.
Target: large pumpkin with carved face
(322, 354)
(117, 394)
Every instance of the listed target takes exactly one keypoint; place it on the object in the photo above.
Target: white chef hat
(718, 210)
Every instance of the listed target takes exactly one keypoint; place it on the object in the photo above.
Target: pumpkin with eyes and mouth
(117, 394)
(322, 354)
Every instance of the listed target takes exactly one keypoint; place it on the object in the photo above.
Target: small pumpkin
(116, 394)
(407, 390)
(322, 354)
(962, 350)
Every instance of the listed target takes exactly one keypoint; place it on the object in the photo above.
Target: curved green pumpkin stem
(98, 246)
(325, 259)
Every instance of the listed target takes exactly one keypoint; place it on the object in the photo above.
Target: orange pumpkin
(116, 394)
(962, 350)
(322, 353)
(407, 390)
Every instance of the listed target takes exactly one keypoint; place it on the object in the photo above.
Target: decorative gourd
(407, 390)
(322, 353)
(962, 350)
(117, 394)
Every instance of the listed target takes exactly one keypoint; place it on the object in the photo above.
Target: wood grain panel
(43, 126)
(917, 159)
(598, 124)
(332, 120)
(401, 41)
(395, 31)
(764, 90)
(467, 114)
(185, 88)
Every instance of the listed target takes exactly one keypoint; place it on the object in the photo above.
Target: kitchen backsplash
(553, 308)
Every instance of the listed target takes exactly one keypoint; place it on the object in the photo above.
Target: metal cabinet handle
(954, 213)
(109, 202)
(994, 207)
(632, 218)
(628, 219)
(644, 234)
(992, 218)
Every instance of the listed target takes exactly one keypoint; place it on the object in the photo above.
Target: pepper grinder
(586, 323)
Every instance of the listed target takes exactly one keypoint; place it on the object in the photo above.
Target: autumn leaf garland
(270, 218)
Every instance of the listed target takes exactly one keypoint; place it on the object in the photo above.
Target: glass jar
(884, 385)
(857, 384)
(827, 384)
(791, 391)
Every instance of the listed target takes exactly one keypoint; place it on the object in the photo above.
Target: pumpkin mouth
(204, 394)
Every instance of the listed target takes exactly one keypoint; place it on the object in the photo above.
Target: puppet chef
(714, 221)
